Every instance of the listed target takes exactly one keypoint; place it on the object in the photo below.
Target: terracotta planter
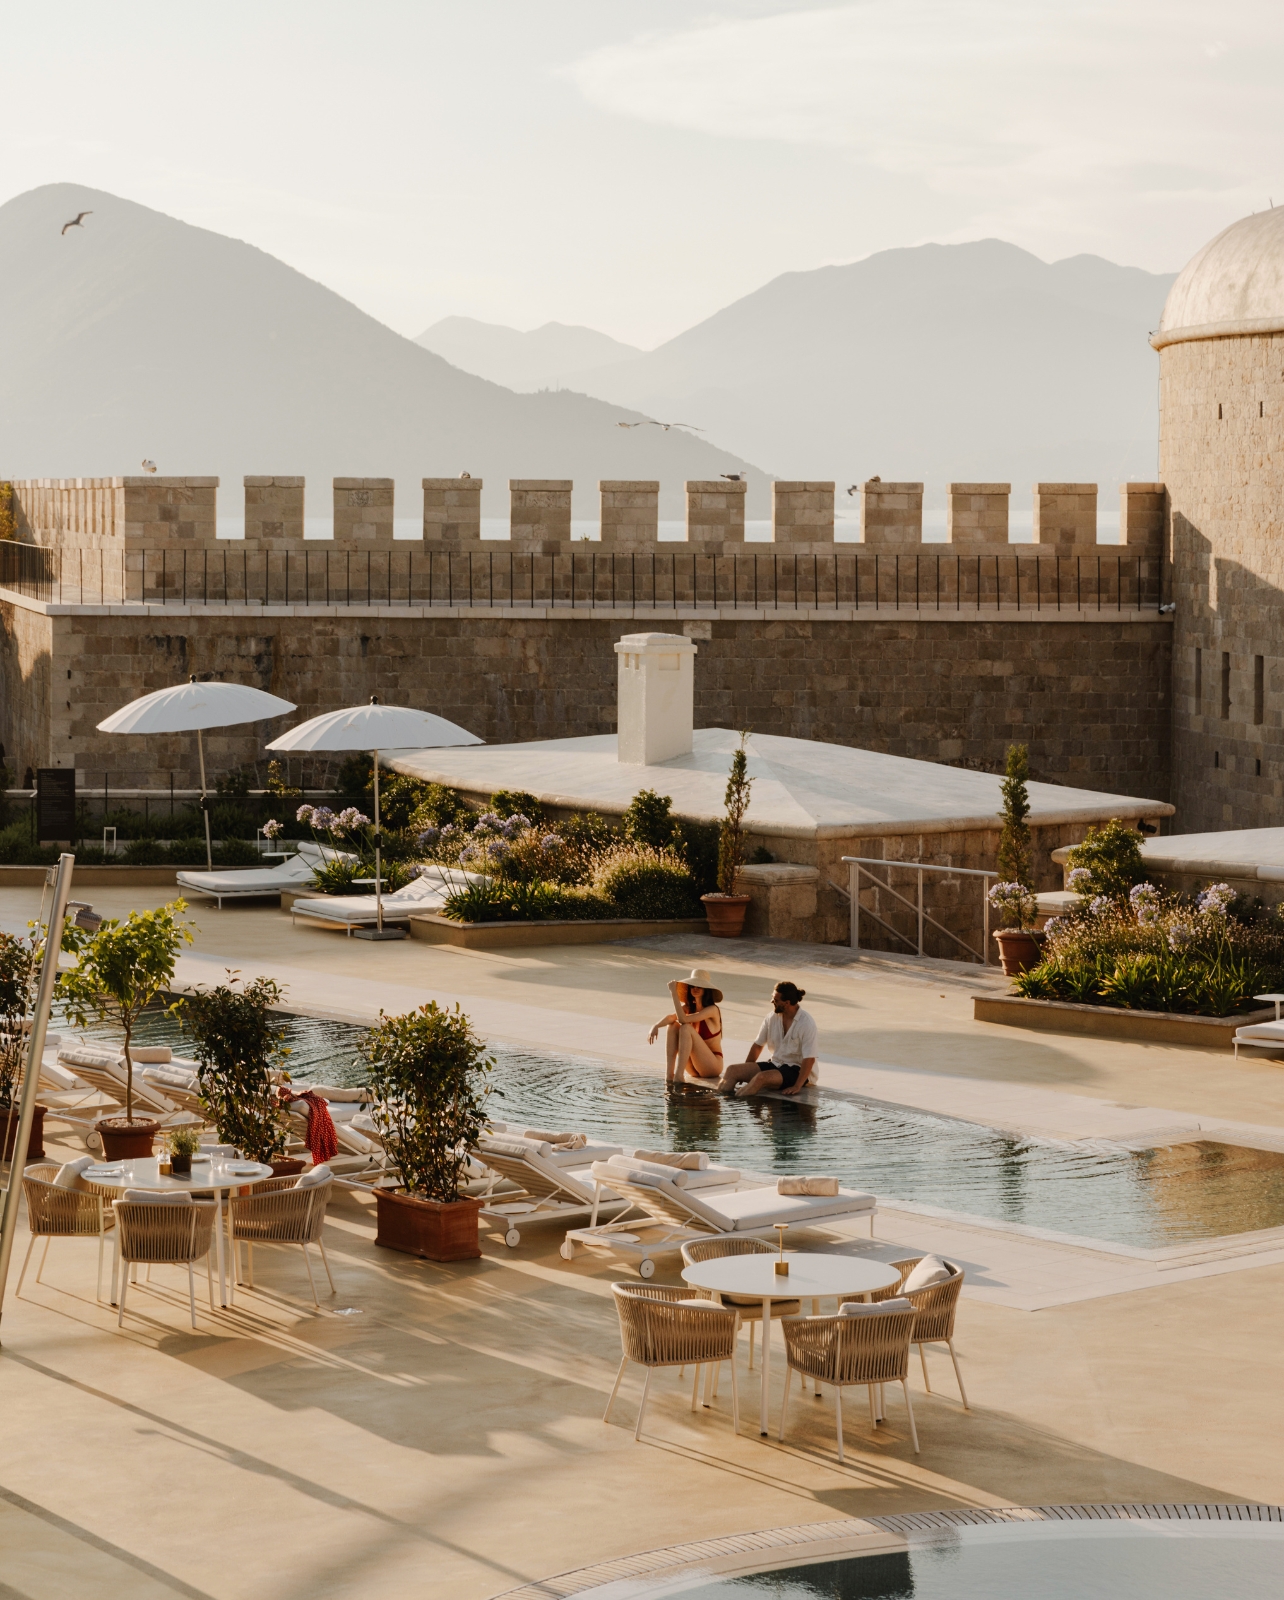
(433, 1229)
(1019, 950)
(9, 1135)
(726, 914)
(126, 1141)
(286, 1166)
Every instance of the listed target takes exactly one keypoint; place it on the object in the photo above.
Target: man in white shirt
(790, 1034)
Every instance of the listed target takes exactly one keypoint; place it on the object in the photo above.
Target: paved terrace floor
(447, 1438)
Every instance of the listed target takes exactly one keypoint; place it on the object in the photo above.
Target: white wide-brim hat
(699, 979)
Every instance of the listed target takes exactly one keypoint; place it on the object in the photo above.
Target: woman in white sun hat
(693, 1029)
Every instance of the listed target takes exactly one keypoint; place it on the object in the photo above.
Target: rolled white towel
(811, 1186)
(560, 1141)
(688, 1160)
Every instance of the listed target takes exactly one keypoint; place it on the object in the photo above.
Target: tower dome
(1234, 285)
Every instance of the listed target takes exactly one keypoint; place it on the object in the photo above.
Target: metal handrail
(858, 864)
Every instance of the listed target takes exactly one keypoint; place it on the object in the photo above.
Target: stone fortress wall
(1221, 366)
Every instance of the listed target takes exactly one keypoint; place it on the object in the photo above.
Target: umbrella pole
(378, 851)
(205, 810)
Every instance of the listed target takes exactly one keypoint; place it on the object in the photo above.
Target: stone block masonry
(977, 514)
(891, 514)
(540, 513)
(363, 512)
(1142, 514)
(716, 513)
(802, 514)
(452, 511)
(1065, 515)
(630, 511)
(1089, 698)
(274, 513)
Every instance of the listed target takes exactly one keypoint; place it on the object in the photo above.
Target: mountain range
(139, 336)
(969, 362)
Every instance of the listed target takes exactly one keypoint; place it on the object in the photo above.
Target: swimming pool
(1149, 1558)
(1147, 1199)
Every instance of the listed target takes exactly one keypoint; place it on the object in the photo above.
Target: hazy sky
(636, 164)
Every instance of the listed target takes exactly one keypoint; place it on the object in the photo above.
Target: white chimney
(656, 700)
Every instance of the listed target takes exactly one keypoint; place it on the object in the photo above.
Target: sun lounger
(545, 1182)
(103, 1069)
(256, 882)
(427, 892)
(1260, 1035)
(664, 1212)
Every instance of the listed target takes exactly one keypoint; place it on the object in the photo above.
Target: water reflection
(1146, 1198)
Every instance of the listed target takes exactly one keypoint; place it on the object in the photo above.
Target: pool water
(1168, 1195)
(1176, 1560)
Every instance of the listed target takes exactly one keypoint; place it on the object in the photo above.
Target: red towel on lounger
(322, 1140)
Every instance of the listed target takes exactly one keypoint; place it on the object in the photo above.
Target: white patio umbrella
(191, 708)
(374, 727)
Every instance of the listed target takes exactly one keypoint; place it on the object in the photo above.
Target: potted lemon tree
(120, 971)
(429, 1074)
(241, 1048)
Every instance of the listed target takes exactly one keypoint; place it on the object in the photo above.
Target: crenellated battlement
(138, 514)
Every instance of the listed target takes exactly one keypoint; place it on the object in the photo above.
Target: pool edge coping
(746, 1553)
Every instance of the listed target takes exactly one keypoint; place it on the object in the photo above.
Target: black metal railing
(659, 580)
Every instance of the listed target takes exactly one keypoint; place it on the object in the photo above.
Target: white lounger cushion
(88, 1055)
(264, 880)
(697, 1178)
(60, 1077)
(427, 892)
(746, 1210)
(167, 1078)
(152, 1055)
(688, 1160)
(1262, 1030)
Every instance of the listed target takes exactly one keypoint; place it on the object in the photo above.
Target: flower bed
(1160, 953)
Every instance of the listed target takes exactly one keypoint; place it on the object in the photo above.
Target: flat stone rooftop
(803, 788)
(1239, 851)
(446, 1438)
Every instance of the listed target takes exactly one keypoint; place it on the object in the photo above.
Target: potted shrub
(241, 1050)
(428, 1072)
(183, 1144)
(121, 969)
(725, 908)
(19, 974)
(1019, 946)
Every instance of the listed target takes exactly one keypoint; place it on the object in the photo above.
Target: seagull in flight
(650, 422)
(149, 466)
(77, 221)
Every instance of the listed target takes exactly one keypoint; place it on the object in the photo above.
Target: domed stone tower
(1221, 430)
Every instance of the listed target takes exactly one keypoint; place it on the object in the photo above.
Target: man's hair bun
(790, 993)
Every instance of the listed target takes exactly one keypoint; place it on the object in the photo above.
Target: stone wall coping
(273, 483)
(629, 485)
(1141, 488)
(546, 485)
(364, 483)
(980, 488)
(776, 872)
(1065, 488)
(802, 486)
(881, 486)
(844, 614)
(146, 480)
(452, 483)
(715, 486)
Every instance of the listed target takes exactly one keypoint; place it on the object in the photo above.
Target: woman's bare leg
(700, 1059)
(671, 1049)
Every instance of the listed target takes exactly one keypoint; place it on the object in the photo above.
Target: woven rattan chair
(697, 1250)
(56, 1213)
(869, 1350)
(935, 1307)
(658, 1330)
(282, 1216)
(153, 1233)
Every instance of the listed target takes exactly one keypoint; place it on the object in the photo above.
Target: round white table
(1275, 999)
(811, 1276)
(216, 1175)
